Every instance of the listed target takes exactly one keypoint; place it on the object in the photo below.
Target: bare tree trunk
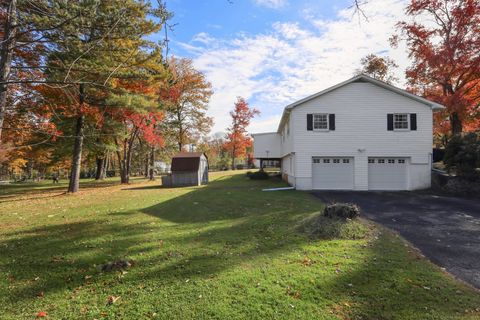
(78, 146)
(180, 132)
(456, 123)
(30, 169)
(147, 163)
(100, 172)
(122, 169)
(105, 166)
(129, 161)
(77, 156)
(124, 174)
(233, 157)
(8, 44)
(120, 164)
(151, 173)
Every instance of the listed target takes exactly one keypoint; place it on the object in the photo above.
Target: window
(320, 121)
(381, 160)
(346, 160)
(391, 160)
(326, 160)
(400, 121)
(336, 160)
(401, 160)
(288, 128)
(371, 160)
(316, 160)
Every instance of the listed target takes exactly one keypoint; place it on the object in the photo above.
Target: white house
(362, 134)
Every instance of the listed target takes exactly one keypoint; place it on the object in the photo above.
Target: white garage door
(332, 173)
(387, 173)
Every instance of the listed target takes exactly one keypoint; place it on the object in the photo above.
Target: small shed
(189, 169)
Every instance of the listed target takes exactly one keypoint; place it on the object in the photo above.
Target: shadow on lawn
(9, 192)
(210, 229)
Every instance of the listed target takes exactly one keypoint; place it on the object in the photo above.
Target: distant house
(189, 169)
(162, 166)
(361, 134)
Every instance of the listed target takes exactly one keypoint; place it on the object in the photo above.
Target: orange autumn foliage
(445, 60)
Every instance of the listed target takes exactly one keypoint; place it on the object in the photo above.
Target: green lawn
(224, 251)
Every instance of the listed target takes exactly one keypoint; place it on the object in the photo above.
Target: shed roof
(186, 161)
(184, 154)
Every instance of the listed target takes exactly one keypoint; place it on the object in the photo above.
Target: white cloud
(293, 60)
(203, 38)
(275, 4)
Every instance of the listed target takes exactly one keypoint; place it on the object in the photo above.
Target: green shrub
(258, 175)
(463, 155)
(319, 226)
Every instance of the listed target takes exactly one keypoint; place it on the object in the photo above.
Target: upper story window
(400, 121)
(320, 121)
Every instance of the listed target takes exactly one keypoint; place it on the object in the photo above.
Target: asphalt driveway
(445, 229)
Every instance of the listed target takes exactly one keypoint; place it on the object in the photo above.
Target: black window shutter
(309, 122)
(390, 122)
(413, 121)
(331, 121)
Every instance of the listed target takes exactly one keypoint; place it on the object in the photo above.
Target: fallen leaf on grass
(307, 261)
(41, 314)
(112, 299)
(293, 293)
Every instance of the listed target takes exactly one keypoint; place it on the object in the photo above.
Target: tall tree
(186, 97)
(445, 55)
(105, 43)
(9, 15)
(136, 117)
(214, 148)
(237, 139)
(380, 68)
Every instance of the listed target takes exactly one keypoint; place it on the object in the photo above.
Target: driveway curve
(445, 229)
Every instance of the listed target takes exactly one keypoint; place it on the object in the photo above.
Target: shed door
(332, 173)
(387, 173)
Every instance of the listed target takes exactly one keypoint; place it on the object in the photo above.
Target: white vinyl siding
(267, 145)
(361, 132)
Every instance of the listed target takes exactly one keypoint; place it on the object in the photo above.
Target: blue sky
(273, 52)
(224, 19)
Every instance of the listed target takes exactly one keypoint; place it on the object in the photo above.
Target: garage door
(332, 173)
(387, 173)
